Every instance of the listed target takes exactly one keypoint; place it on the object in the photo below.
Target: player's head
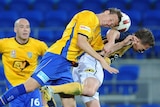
(22, 28)
(145, 40)
(110, 17)
(117, 12)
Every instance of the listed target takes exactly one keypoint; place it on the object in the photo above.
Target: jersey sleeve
(43, 48)
(85, 24)
(3, 42)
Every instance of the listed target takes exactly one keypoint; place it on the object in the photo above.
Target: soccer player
(89, 73)
(82, 34)
(20, 58)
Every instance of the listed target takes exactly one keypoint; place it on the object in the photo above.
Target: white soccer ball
(124, 24)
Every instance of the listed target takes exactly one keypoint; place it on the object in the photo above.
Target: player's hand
(107, 49)
(108, 68)
(129, 40)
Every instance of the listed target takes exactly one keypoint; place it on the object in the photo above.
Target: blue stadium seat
(127, 76)
(151, 18)
(104, 105)
(136, 17)
(9, 34)
(71, 15)
(58, 34)
(19, 5)
(107, 75)
(67, 5)
(156, 33)
(150, 105)
(2, 34)
(157, 51)
(80, 105)
(125, 105)
(56, 19)
(157, 5)
(107, 87)
(43, 5)
(117, 3)
(35, 17)
(7, 18)
(140, 55)
(150, 53)
(93, 5)
(140, 5)
(3, 4)
(46, 36)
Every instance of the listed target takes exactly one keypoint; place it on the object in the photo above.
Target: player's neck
(21, 41)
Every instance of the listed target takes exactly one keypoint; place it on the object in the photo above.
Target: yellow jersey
(119, 53)
(85, 23)
(19, 61)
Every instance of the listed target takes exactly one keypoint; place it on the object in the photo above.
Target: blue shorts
(53, 70)
(32, 99)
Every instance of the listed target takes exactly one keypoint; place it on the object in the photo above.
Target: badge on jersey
(29, 54)
(13, 53)
(83, 27)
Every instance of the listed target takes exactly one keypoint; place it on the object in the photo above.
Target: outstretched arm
(84, 45)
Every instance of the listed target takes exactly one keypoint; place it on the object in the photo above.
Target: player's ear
(136, 40)
(106, 11)
(15, 30)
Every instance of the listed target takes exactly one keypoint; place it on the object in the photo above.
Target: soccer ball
(124, 24)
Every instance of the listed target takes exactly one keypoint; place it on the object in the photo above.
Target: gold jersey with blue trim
(85, 23)
(20, 61)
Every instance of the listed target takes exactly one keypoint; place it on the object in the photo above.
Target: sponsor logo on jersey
(20, 64)
(83, 27)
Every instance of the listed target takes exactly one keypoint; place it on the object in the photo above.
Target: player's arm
(112, 35)
(129, 40)
(84, 45)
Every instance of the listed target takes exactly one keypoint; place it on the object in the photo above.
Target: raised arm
(84, 45)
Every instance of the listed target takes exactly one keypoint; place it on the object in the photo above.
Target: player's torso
(80, 24)
(19, 60)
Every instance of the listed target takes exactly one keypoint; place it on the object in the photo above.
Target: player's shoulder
(7, 39)
(36, 41)
(87, 13)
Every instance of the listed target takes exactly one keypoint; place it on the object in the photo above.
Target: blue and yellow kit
(85, 23)
(20, 61)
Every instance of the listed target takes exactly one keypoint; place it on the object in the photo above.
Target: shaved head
(19, 21)
(22, 30)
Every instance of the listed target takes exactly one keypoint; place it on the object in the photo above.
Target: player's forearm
(84, 45)
(117, 46)
(112, 35)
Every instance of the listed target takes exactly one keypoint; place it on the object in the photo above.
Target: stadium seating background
(48, 19)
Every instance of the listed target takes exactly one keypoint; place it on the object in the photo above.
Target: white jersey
(88, 67)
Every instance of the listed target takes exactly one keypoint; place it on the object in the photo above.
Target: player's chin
(25, 37)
